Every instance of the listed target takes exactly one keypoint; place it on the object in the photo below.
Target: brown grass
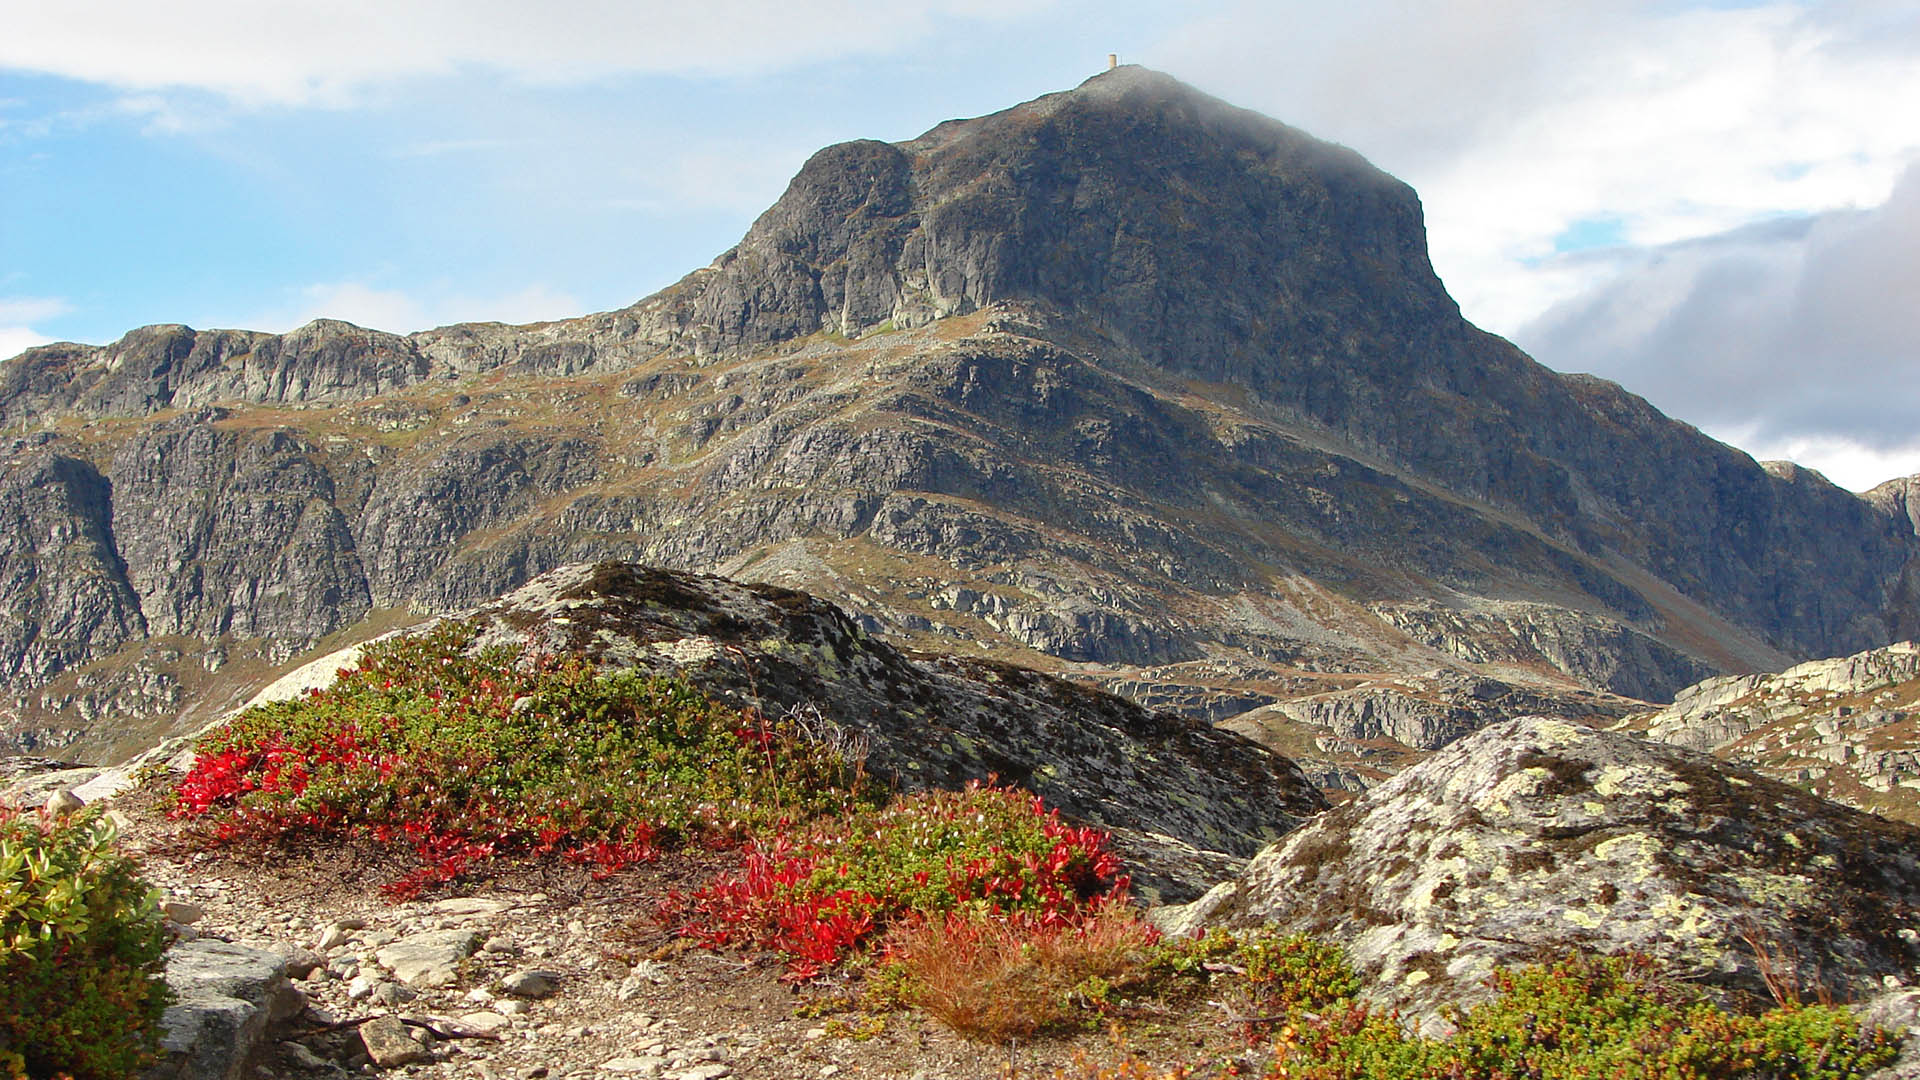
(996, 980)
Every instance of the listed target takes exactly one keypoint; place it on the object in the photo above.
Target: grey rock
(1842, 728)
(63, 802)
(185, 912)
(529, 984)
(301, 1057)
(301, 962)
(1429, 711)
(1540, 834)
(1896, 1012)
(225, 997)
(392, 994)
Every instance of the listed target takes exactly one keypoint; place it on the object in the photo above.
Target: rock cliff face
(1119, 378)
(1846, 728)
(1538, 834)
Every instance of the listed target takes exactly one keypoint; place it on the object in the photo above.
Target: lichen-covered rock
(924, 721)
(1538, 835)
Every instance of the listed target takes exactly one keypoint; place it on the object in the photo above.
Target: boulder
(1536, 836)
(225, 997)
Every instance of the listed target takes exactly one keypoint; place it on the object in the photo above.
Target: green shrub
(1274, 973)
(81, 949)
(1590, 1017)
(465, 757)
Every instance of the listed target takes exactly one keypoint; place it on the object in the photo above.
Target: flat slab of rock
(430, 958)
(388, 1042)
(644, 1065)
(471, 905)
(486, 1023)
(1539, 835)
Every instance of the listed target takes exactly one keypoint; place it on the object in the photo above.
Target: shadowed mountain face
(1123, 381)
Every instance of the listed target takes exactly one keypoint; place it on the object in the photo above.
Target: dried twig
(1235, 1017)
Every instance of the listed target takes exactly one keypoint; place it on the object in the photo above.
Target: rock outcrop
(226, 998)
(1847, 728)
(1538, 835)
(1122, 377)
(1429, 711)
(1183, 798)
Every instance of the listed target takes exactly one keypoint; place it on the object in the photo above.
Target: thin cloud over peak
(306, 52)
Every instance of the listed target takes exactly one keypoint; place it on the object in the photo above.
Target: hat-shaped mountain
(1124, 381)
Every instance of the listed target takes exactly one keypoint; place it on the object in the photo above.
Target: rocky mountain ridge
(1124, 382)
(1845, 728)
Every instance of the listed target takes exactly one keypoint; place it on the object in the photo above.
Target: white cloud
(327, 51)
(1795, 337)
(17, 312)
(28, 309)
(400, 311)
(15, 340)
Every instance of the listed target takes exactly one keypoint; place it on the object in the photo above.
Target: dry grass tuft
(996, 979)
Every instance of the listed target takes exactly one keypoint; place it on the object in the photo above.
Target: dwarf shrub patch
(465, 756)
(815, 894)
(1588, 1016)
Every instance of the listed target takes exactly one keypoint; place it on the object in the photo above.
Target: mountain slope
(1123, 377)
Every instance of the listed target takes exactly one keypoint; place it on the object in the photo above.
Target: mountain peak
(1208, 240)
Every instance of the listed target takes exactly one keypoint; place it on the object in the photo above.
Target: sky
(1716, 204)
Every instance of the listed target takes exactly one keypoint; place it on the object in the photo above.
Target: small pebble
(182, 912)
(63, 802)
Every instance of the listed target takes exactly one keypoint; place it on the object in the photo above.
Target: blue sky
(1702, 201)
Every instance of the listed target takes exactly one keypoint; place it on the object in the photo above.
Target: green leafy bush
(1589, 1017)
(81, 949)
(467, 757)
